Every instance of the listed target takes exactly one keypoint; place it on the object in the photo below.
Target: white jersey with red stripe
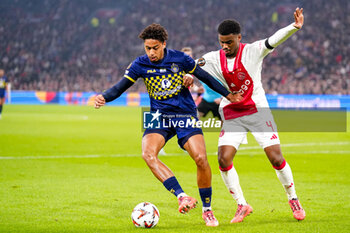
(243, 74)
(252, 58)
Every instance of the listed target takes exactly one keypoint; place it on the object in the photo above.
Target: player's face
(154, 49)
(230, 44)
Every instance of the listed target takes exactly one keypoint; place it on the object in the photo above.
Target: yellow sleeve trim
(193, 69)
(125, 76)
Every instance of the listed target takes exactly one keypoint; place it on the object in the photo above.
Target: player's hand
(299, 18)
(99, 101)
(188, 80)
(234, 98)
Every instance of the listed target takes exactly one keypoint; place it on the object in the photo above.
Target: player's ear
(164, 44)
(239, 37)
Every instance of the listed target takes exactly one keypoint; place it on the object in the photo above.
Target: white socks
(181, 195)
(231, 180)
(284, 174)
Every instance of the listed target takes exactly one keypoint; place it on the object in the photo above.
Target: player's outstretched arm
(113, 92)
(283, 34)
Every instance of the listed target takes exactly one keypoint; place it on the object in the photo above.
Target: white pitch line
(301, 144)
(185, 153)
(301, 152)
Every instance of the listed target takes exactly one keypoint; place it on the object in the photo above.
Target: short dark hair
(229, 26)
(154, 31)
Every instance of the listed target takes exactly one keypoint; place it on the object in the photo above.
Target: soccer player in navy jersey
(163, 72)
(3, 87)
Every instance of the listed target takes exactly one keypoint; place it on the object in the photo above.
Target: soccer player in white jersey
(238, 67)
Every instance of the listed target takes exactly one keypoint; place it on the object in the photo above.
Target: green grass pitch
(77, 169)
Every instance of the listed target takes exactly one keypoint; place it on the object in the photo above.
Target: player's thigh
(266, 139)
(233, 133)
(154, 140)
(185, 134)
(263, 127)
(195, 146)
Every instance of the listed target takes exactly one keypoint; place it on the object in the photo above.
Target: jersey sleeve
(132, 72)
(258, 49)
(263, 47)
(210, 63)
(189, 64)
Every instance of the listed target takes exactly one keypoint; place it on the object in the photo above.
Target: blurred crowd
(85, 45)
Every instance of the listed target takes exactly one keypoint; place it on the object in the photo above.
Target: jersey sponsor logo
(245, 86)
(151, 71)
(174, 68)
(201, 61)
(161, 87)
(166, 83)
(162, 70)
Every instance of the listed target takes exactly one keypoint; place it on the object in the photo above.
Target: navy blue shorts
(2, 93)
(183, 134)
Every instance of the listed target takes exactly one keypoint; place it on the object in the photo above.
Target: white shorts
(261, 124)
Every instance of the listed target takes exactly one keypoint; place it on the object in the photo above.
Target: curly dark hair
(229, 26)
(154, 31)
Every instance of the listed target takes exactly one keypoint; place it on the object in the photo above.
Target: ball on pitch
(145, 215)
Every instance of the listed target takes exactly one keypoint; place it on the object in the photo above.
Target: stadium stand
(86, 45)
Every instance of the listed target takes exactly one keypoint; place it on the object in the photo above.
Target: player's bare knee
(224, 161)
(226, 155)
(277, 161)
(149, 157)
(201, 161)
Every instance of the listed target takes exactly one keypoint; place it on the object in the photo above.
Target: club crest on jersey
(201, 61)
(166, 83)
(241, 75)
(174, 68)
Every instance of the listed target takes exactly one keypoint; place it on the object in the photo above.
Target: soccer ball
(145, 215)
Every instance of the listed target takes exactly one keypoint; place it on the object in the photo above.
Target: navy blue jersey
(164, 81)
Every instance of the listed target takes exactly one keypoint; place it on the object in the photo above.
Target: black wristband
(268, 45)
